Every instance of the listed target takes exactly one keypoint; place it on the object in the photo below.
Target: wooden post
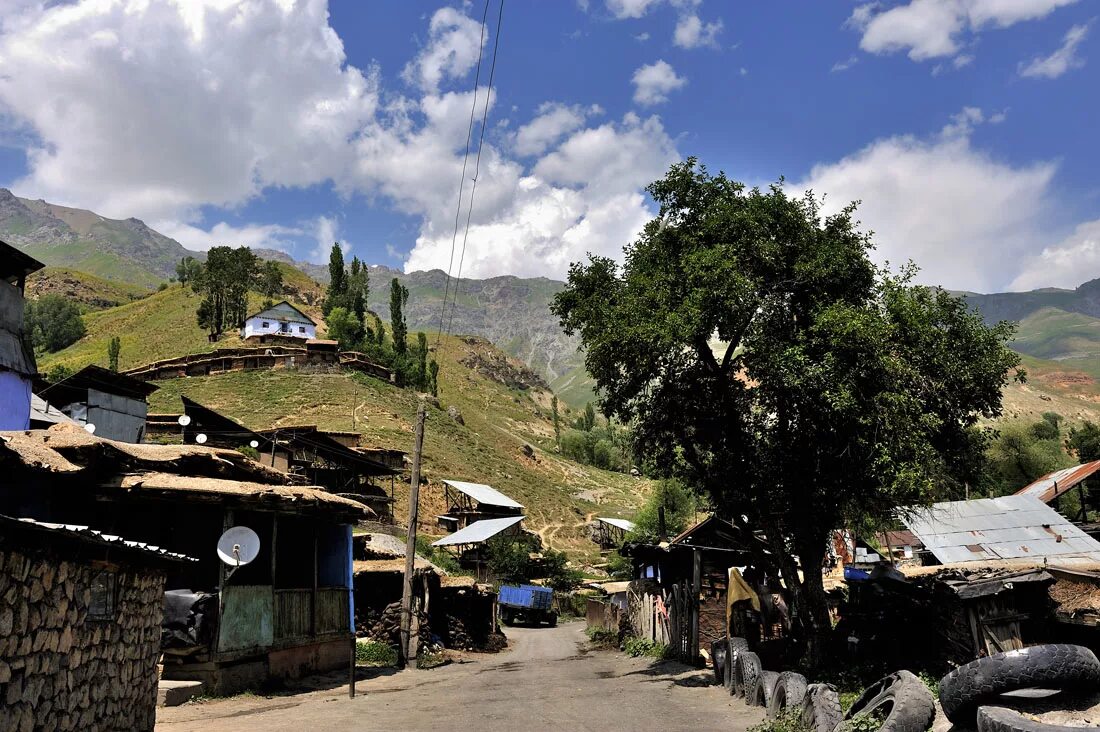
(410, 543)
(696, 588)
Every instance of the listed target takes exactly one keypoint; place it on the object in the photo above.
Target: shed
(609, 533)
(1053, 486)
(1012, 528)
(17, 364)
(471, 502)
(285, 614)
(84, 612)
(115, 403)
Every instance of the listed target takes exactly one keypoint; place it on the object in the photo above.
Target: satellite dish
(89, 428)
(184, 420)
(254, 444)
(238, 546)
(200, 438)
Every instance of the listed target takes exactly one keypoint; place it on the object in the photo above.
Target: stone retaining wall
(60, 670)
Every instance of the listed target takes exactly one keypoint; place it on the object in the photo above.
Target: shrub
(373, 653)
(638, 647)
(789, 721)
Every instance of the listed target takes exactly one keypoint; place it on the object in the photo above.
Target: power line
(477, 168)
(462, 179)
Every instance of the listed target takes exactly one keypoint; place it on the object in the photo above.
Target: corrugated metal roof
(1052, 485)
(42, 411)
(618, 523)
(483, 493)
(479, 531)
(89, 534)
(1007, 528)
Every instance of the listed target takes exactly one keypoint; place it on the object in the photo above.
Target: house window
(301, 329)
(267, 324)
(102, 604)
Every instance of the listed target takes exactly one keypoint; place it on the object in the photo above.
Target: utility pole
(410, 543)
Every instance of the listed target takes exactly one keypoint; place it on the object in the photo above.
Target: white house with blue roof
(282, 320)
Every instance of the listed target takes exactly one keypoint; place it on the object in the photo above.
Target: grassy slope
(559, 494)
(1052, 333)
(88, 257)
(88, 290)
(159, 326)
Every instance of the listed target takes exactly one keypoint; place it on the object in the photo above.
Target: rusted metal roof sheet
(1052, 485)
(1007, 528)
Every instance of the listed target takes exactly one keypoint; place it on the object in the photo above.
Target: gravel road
(545, 680)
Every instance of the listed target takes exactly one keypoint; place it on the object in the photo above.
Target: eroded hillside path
(545, 680)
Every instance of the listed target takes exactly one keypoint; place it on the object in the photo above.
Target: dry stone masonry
(61, 669)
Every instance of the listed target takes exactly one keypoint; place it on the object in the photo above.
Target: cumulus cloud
(265, 236)
(1066, 264)
(623, 9)
(553, 122)
(964, 217)
(156, 109)
(692, 32)
(653, 82)
(928, 29)
(454, 42)
(1062, 60)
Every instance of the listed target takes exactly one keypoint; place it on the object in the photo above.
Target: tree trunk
(817, 621)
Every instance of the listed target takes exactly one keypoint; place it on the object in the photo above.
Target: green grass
(1051, 333)
(88, 289)
(89, 257)
(374, 654)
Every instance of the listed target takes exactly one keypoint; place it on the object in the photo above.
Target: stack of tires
(971, 695)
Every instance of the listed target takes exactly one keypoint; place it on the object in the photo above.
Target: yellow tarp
(738, 590)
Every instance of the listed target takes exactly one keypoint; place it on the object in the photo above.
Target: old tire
(735, 647)
(999, 719)
(746, 671)
(765, 687)
(789, 691)
(821, 711)
(507, 617)
(552, 621)
(980, 682)
(901, 702)
(718, 651)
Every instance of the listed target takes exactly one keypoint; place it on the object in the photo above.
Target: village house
(79, 628)
(17, 364)
(112, 405)
(468, 503)
(279, 321)
(286, 614)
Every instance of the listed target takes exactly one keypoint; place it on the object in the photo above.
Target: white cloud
(155, 109)
(642, 37)
(623, 9)
(254, 236)
(554, 121)
(1066, 264)
(326, 232)
(454, 41)
(691, 32)
(653, 82)
(929, 29)
(965, 218)
(845, 64)
(1062, 60)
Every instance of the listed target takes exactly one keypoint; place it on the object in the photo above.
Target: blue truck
(529, 603)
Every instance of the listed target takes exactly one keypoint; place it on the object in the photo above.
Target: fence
(602, 616)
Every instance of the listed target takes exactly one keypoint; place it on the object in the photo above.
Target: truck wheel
(736, 646)
(980, 682)
(553, 620)
(745, 673)
(821, 710)
(789, 692)
(506, 617)
(765, 687)
(899, 702)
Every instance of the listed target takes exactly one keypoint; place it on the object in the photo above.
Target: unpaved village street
(545, 680)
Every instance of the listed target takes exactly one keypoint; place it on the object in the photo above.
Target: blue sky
(966, 127)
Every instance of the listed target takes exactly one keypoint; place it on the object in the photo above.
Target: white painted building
(282, 320)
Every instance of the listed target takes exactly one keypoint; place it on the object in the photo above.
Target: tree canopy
(763, 358)
(53, 322)
(224, 282)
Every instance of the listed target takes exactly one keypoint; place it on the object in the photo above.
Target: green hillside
(91, 292)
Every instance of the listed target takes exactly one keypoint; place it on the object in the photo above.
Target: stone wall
(61, 671)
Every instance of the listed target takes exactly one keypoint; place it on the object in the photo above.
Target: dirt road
(545, 680)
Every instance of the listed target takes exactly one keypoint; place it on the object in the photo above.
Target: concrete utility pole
(410, 543)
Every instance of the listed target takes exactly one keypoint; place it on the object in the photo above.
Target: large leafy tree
(224, 283)
(764, 359)
(53, 322)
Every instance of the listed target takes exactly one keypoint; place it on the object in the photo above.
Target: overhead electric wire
(477, 168)
(462, 179)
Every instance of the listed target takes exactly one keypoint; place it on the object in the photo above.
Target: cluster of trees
(224, 281)
(842, 392)
(53, 322)
(358, 329)
(604, 445)
(510, 560)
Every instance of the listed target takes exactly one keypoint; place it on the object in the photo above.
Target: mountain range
(1060, 327)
